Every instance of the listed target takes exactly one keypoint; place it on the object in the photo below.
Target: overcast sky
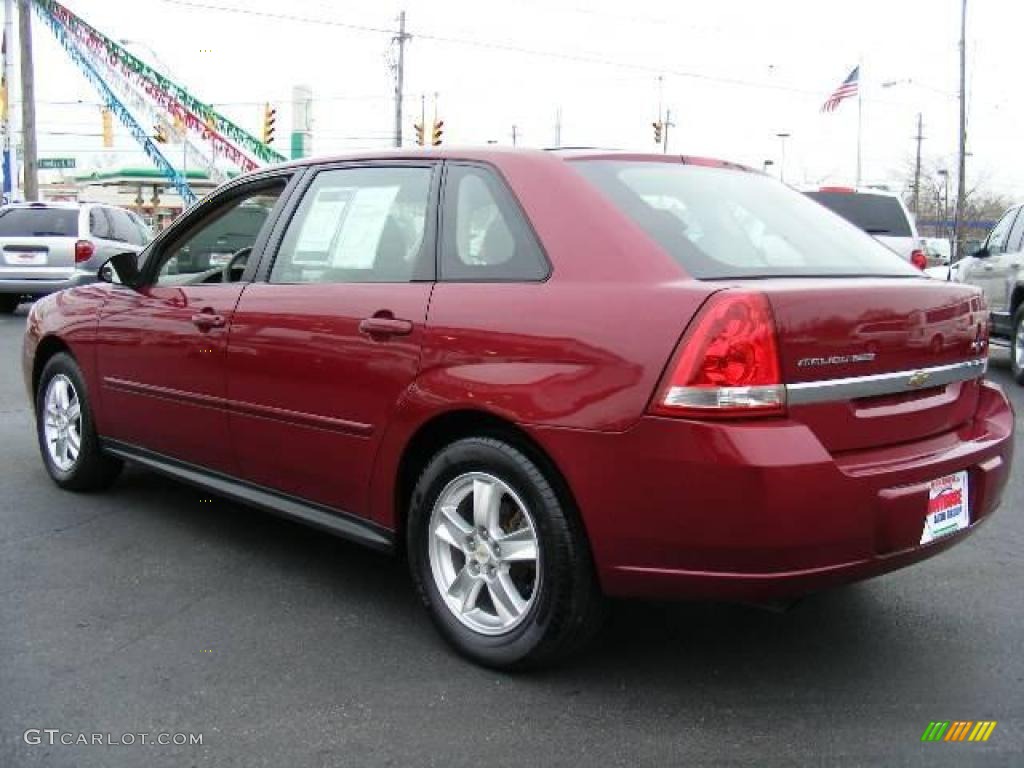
(736, 73)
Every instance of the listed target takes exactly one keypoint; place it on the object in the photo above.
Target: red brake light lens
(918, 259)
(83, 251)
(727, 364)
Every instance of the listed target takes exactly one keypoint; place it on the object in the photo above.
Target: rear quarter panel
(582, 350)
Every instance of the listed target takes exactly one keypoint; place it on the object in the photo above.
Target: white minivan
(881, 214)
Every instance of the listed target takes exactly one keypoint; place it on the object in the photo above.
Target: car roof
(59, 204)
(501, 155)
(852, 190)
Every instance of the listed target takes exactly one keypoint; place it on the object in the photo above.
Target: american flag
(846, 89)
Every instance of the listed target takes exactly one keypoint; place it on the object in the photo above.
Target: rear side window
(486, 236)
(721, 223)
(39, 222)
(875, 214)
(124, 229)
(99, 224)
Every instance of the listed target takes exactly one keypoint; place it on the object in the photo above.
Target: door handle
(207, 319)
(385, 326)
(988, 267)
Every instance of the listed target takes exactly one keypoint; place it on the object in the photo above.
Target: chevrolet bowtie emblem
(918, 378)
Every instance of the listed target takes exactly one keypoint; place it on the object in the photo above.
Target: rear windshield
(39, 222)
(875, 214)
(720, 223)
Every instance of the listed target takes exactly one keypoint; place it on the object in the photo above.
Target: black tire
(91, 469)
(567, 609)
(1017, 342)
(8, 303)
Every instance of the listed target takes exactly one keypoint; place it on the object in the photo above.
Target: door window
(486, 234)
(1015, 242)
(218, 247)
(1000, 233)
(358, 225)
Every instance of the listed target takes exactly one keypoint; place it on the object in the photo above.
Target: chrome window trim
(830, 390)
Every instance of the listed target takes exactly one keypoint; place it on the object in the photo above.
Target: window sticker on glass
(356, 245)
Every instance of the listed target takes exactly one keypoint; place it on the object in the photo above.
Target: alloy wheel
(1018, 345)
(62, 422)
(484, 553)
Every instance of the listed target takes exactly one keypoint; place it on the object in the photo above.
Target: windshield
(39, 222)
(721, 223)
(875, 214)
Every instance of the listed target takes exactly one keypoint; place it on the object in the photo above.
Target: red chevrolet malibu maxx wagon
(546, 377)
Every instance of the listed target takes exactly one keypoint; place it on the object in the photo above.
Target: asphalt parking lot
(154, 608)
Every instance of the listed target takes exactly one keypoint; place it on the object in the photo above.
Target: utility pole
(401, 38)
(11, 122)
(515, 134)
(28, 99)
(558, 127)
(668, 124)
(782, 160)
(961, 182)
(917, 169)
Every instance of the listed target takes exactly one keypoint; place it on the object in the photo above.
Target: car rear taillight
(727, 363)
(918, 259)
(83, 251)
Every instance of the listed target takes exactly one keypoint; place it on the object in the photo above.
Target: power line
(583, 58)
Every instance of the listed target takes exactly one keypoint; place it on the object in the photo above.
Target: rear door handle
(207, 319)
(385, 326)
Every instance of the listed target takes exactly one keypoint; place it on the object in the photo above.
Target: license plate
(947, 507)
(25, 259)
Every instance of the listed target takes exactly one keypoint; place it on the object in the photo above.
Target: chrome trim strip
(830, 390)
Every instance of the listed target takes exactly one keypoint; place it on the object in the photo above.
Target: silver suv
(46, 247)
(997, 267)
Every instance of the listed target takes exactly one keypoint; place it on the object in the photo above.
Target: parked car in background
(881, 214)
(543, 377)
(938, 251)
(997, 267)
(46, 247)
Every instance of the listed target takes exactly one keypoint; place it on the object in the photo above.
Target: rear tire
(8, 303)
(503, 568)
(1017, 346)
(67, 434)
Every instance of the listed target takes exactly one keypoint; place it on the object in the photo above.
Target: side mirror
(982, 253)
(122, 269)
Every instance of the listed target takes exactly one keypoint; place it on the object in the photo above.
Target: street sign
(55, 163)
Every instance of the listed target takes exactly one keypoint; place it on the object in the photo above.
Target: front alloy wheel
(67, 435)
(62, 422)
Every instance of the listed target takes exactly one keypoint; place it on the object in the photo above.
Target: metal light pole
(13, 124)
(782, 164)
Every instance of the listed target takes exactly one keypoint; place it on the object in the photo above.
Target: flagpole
(860, 114)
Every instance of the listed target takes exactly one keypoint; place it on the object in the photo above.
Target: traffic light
(658, 126)
(160, 133)
(269, 119)
(435, 136)
(419, 133)
(108, 127)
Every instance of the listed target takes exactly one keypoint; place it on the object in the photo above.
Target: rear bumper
(752, 511)
(44, 287)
